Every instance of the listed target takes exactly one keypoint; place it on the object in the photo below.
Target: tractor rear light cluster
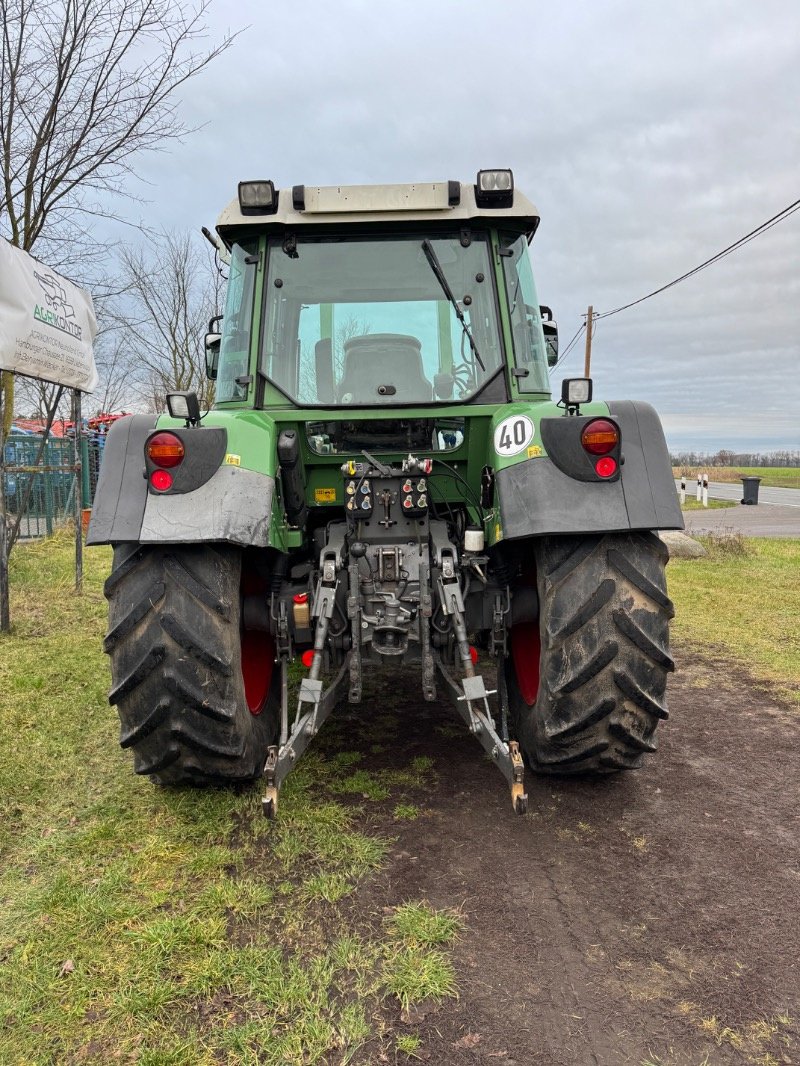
(600, 437)
(165, 450)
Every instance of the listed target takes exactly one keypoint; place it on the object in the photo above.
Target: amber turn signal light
(600, 437)
(165, 450)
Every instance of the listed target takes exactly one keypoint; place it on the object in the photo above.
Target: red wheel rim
(258, 661)
(525, 653)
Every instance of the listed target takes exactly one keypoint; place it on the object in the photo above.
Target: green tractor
(385, 480)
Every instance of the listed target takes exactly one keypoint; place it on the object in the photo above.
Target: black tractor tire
(602, 646)
(177, 655)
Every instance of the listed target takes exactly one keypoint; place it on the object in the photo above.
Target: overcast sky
(649, 137)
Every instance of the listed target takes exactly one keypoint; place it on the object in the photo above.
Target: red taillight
(606, 467)
(473, 654)
(161, 480)
(165, 450)
(600, 437)
(307, 658)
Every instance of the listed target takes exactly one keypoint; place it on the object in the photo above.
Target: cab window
(526, 321)
(234, 353)
(366, 322)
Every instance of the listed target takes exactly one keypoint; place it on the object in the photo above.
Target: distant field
(779, 477)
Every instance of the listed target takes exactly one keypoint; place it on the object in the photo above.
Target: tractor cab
(386, 296)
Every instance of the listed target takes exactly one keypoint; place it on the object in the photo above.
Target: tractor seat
(383, 361)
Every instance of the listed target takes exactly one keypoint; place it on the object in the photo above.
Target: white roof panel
(365, 199)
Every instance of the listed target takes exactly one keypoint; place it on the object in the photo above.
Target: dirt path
(650, 918)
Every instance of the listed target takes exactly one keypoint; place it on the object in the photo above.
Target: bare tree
(350, 327)
(37, 399)
(84, 85)
(114, 392)
(172, 288)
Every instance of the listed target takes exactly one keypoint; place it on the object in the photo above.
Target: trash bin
(750, 489)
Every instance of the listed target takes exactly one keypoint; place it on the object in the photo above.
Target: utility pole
(588, 357)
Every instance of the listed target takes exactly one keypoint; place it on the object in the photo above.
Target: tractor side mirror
(213, 341)
(550, 330)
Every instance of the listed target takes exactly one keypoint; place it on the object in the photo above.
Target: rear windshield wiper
(436, 267)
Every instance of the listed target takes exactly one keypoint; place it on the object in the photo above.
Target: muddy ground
(649, 918)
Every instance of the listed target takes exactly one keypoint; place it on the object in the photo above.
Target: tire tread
(174, 643)
(604, 630)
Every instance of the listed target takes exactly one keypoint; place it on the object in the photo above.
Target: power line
(781, 215)
(740, 243)
(569, 347)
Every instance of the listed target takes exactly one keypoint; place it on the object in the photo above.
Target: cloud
(649, 136)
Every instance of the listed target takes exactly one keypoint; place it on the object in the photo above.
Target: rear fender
(538, 497)
(214, 498)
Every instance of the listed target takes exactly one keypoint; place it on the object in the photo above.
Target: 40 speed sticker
(513, 435)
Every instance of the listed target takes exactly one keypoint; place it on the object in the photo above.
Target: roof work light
(257, 197)
(494, 188)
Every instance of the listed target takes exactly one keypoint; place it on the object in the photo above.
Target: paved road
(767, 521)
(720, 490)
(777, 513)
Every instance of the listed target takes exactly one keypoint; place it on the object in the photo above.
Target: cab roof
(334, 208)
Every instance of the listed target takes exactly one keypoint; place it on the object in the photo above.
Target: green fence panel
(52, 486)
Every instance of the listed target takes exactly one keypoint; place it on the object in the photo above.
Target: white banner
(47, 323)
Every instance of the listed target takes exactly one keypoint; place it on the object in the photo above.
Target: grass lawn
(746, 605)
(178, 927)
(693, 504)
(779, 477)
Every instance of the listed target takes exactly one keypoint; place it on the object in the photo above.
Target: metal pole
(76, 443)
(588, 356)
(5, 613)
(49, 499)
(86, 488)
